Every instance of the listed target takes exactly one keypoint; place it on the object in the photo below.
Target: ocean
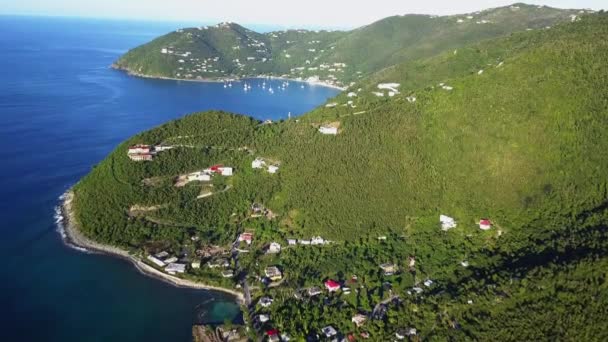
(62, 110)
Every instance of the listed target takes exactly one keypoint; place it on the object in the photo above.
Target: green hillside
(229, 50)
(511, 129)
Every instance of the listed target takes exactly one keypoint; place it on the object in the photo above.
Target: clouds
(320, 13)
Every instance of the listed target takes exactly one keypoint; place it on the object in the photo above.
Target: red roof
(332, 284)
(216, 167)
(485, 222)
(246, 236)
(272, 332)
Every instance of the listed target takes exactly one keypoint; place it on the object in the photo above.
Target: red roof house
(485, 224)
(247, 237)
(332, 285)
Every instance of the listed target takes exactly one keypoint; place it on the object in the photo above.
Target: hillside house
(329, 331)
(328, 130)
(247, 237)
(447, 222)
(389, 269)
(359, 319)
(141, 156)
(225, 171)
(199, 176)
(273, 273)
(351, 94)
(332, 285)
(170, 260)
(265, 301)
(139, 149)
(221, 262)
(317, 240)
(411, 263)
(227, 273)
(273, 248)
(389, 86)
(263, 318)
(273, 335)
(174, 268)
(195, 264)
(314, 291)
(156, 261)
(485, 224)
(273, 169)
(331, 105)
(258, 163)
(219, 169)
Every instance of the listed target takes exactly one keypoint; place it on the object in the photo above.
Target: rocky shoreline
(222, 80)
(74, 237)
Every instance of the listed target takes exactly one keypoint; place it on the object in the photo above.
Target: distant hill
(229, 50)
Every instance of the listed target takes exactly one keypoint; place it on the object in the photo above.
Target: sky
(288, 13)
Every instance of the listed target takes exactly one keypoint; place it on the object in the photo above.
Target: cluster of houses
(205, 175)
(141, 152)
(169, 263)
(391, 87)
(260, 163)
(315, 241)
(448, 223)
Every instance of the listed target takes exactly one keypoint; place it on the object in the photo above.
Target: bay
(62, 109)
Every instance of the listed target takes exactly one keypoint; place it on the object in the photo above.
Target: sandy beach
(76, 238)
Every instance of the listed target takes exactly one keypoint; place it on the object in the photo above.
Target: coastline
(226, 79)
(75, 238)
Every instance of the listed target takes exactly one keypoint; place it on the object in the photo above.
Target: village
(256, 266)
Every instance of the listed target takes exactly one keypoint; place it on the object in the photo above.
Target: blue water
(62, 110)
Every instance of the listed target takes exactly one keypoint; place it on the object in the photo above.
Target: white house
(377, 93)
(389, 86)
(328, 130)
(292, 242)
(329, 331)
(331, 105)
(266, 301)
(263, 318)
(317, 240)
(163, 51)
(304, 242)
(258, 163)
(170, 260)
(274, 248)
(156, 261)
(196, 264)
(173, 268)
(411, 99)
(447, 222)
(273, 169)
(199, 176)
(225, 171)
(351, 94)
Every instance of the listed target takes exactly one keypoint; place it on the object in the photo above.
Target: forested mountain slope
(230, 50)
(511, 129)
